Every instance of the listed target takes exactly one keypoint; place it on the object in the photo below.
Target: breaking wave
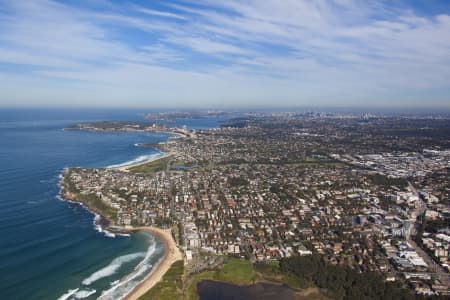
(137, 160)
(112, 267)
(68, 294)
(96, 221)
(84, 294)
(118, 289)
(109, 234)
(77, 294)
(125, 285)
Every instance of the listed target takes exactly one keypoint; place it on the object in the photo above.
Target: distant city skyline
(225, 54)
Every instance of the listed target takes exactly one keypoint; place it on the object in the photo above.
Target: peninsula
(125, 126)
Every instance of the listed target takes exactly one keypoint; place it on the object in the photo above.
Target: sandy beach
(171, 255)
(127, 167)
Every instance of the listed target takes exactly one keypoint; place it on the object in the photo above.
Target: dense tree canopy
(342, 282)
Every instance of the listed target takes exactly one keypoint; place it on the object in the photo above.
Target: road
(443, 276)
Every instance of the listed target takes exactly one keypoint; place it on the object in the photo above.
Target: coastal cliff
(92, 201)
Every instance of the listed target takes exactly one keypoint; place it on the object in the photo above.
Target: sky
(225, 54)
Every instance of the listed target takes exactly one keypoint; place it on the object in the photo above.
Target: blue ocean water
(49, 248)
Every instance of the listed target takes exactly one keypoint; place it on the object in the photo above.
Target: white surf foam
(137, 160)
(125, 285)
(109, 234)
(114, 282)
(97, 227)
(84, 294)
(112, 267)
(123, 234)
(96, 217)
(68, 294)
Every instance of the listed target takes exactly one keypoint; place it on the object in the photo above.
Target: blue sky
(225, 54)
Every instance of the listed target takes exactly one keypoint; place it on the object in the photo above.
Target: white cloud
(205, 45)
(157, 13)
(241, 52)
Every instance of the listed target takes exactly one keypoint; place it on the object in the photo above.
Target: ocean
(49, 248)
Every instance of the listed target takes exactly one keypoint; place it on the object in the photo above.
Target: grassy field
(171, 285)
(235, 271)
(152, 167)
(243, 272)
(96, 204)
(191, 292)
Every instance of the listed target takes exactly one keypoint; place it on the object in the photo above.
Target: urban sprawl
(370, 192)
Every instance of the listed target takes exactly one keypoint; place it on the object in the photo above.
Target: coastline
(104, 221)
(171, 250)
(175, 131)
(106, 224)
(127, 167)
(171, 255)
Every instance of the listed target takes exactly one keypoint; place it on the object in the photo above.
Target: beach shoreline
(171, 250)
(153, 159)
(171, 255)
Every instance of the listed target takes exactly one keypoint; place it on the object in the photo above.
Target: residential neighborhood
(284, 186)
